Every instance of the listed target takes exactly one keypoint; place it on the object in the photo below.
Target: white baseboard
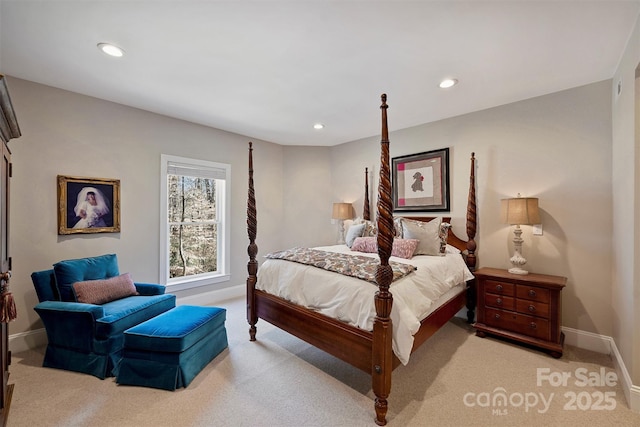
(37, 338)
(587, 340)
(631, 392)
(24, 341)
(606, 345)
(211, 297)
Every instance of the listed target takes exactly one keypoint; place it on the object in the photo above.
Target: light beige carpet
(279, 380)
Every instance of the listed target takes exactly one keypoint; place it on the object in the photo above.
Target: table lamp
(519, 211)
(342, 211)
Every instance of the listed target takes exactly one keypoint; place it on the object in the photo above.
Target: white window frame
(223, 192)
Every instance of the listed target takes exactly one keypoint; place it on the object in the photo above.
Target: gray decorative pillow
(354, 231)
(428, 233)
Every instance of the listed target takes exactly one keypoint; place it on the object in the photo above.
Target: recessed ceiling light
(447, 83)
(318, 126)
(111, 50)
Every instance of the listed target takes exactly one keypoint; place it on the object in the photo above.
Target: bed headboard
(467, 246)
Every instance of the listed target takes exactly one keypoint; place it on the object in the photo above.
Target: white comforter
(351, 300)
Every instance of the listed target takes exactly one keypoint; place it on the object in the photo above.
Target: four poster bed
(375, 344)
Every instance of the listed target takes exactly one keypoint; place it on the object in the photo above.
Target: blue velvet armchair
(87, 337)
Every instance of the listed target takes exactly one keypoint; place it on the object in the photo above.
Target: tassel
(8, 310)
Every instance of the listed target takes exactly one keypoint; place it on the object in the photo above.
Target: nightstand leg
(471, 302)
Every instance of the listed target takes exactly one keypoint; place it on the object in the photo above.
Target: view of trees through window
(193, 227)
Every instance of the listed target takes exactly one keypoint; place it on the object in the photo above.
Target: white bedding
(351, 300)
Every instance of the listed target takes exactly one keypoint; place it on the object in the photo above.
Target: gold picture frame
(88, 205)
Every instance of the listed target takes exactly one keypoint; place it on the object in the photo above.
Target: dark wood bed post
(471, 216)
(382, 355)
(252, 265)
(365, 211)
(471, 243)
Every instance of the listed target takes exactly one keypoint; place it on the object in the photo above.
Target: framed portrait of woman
(88, 205)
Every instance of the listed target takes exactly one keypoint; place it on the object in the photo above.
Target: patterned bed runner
(361, 267)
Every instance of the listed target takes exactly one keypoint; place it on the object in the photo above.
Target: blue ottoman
(169, 350)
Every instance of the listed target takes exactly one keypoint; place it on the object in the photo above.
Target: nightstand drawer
(499, 318)
(533, 308)
(499, 301)
(532, 326)
(525, 325)
(496, 287)
(532, 293)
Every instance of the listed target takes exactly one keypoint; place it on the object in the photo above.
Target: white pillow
(452, 250)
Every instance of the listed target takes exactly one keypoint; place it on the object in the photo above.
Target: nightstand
(524, 308)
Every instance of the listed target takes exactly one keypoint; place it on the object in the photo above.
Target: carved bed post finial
(365, 211)
(382, 328)
(471, 216)
(252, 250)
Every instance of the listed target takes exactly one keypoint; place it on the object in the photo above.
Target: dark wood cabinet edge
(554, 349)
(532, 279)
(4, 412)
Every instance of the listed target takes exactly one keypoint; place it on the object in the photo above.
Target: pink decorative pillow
(365, 244)
(404, 248)
(106, 290)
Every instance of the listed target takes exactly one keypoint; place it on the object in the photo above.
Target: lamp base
(341, 240)
(518, 270)
(517, 260)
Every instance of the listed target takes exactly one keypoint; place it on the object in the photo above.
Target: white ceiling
(271, 69)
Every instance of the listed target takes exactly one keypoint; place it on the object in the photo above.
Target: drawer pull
(499, 301)
(532, 293)
(532, 325)
(499, 288)
(532, 309)
(497, 316)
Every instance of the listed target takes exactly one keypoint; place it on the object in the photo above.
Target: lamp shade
(520, 211)
(342, 211)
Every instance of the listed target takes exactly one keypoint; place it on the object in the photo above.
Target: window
(195, 204)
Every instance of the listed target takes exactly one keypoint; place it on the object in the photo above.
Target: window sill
(184, 284)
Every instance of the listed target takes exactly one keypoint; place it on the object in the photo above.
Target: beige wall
(69, 134)
(626, 199)
(555, 147)
(307, 197)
